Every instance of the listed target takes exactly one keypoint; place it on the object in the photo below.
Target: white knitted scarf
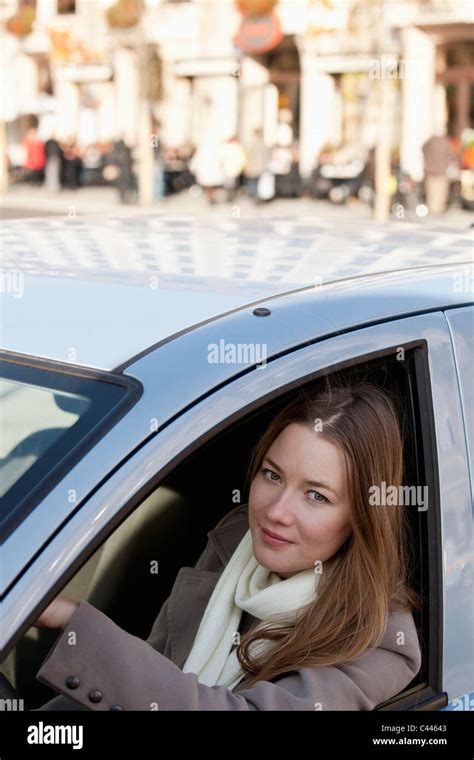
(244, 585)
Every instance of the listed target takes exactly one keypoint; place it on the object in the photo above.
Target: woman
(206, 167)
(318, 619)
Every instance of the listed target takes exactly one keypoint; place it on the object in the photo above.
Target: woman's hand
(58, 613)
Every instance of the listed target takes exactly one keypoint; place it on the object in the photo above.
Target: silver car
(140, 355)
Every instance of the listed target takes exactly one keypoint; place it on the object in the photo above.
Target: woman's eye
(320, 498)
(268, 475)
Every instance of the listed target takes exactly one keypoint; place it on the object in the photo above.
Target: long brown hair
(370, 572)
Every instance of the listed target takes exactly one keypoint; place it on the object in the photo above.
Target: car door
(425, 338)
(458, 663)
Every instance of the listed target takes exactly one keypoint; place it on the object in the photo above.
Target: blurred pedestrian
(467, 149)
(120, 157)
(34, 157)
(206, 167)
(71, 165)
(159, 179)
(440, 164)
(54, 158)
(258, 158)
(233, 161)
(369, 168)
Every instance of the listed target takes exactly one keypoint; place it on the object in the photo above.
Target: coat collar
(225, 538)
(194, 586)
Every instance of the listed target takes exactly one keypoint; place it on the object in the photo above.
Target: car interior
(171, 524)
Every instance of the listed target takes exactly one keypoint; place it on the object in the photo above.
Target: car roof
(97, 292)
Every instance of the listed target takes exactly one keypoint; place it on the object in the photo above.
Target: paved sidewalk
(22, 201)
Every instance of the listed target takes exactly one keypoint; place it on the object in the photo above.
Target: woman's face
(301, 494)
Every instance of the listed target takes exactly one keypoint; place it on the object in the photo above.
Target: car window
(44, 416)
(177, 493)
(32, 419)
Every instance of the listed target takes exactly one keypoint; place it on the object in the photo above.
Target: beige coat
(109, 669)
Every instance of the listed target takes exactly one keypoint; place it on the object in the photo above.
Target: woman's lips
(269, 539)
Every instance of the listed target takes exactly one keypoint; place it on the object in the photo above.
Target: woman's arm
(101, 667)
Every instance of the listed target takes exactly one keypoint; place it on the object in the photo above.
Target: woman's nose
(280, 508)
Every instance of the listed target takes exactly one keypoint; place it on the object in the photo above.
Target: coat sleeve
(100, 666)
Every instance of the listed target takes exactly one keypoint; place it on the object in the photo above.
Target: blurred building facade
(71, 71)
(307, 72)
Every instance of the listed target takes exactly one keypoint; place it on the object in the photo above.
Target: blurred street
(23, 201)
(335, 108)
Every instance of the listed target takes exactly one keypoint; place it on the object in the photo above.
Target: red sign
(258, 34)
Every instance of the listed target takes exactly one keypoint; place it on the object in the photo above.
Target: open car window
(166, 524)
